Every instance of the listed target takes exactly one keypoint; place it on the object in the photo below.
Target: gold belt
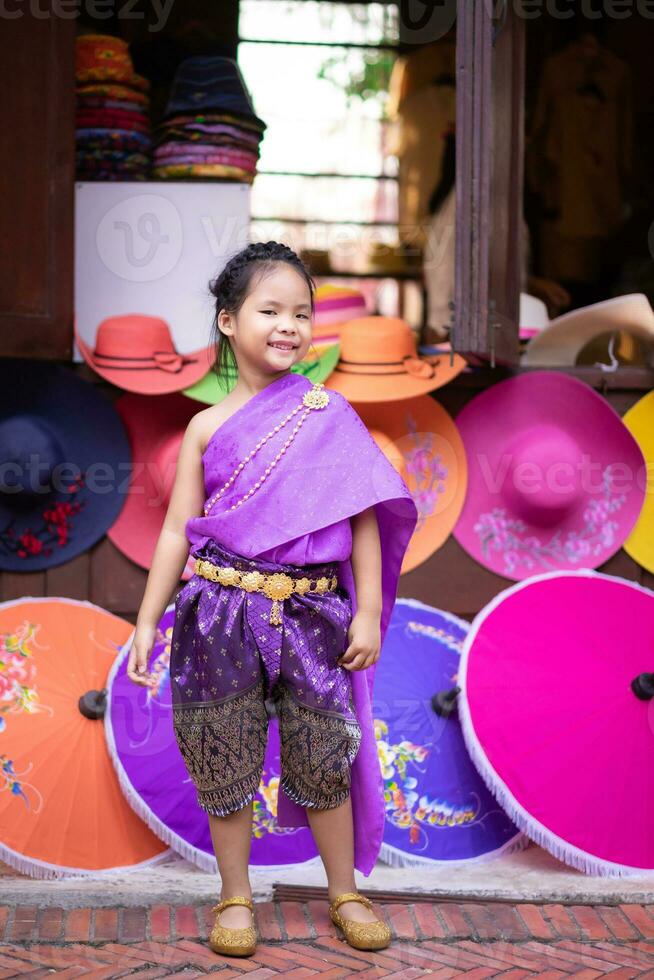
(275, 585)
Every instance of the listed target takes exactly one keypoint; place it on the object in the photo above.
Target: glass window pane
(309, 20)
(324, 198)
(341, 241)
(315, 126)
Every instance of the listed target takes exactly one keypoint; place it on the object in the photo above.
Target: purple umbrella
(438, 808)
(152, 774)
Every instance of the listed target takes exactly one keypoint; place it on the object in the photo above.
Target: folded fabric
(193, 150)
(119, 74)
(214, 170)
(212, 158)
(111, 135)
(83, 156)
(88, 120)
(207, 118)
(113, 91)
(198, 149)
(207, 139)
(214, 128)
(135, 112)
(100, 102)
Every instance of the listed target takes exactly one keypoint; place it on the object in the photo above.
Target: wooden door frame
(38, 54)
(489, 180)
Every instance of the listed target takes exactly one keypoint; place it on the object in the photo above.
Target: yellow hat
(640, 422)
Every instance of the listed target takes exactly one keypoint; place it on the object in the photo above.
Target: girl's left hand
(364, 634)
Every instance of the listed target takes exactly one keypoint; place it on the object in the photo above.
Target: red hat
(155, 438)
(136, 352)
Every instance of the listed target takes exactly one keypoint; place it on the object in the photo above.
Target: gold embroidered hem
(223, 745)
(317, 749)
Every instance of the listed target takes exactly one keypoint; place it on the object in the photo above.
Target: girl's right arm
(171, 552)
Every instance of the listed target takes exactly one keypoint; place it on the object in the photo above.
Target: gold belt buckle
(276, 586)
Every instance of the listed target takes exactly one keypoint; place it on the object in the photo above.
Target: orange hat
(379, 362)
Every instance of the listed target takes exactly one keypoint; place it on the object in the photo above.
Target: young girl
(299, 525)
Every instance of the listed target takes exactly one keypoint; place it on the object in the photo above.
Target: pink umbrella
(557, 711)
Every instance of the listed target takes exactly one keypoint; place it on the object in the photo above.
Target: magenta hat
(555, 478)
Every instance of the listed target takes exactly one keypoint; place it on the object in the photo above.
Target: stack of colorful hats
(333, 306)
(112, 118)
(210, 130)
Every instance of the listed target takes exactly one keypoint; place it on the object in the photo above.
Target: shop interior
(382, 218)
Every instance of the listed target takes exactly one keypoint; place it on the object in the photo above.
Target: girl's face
(277, 309)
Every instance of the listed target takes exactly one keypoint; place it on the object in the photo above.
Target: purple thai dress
(299, 514)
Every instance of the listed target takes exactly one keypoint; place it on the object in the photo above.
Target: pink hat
(334, 305)
(555, 478)
(155, 438)
(136, 352)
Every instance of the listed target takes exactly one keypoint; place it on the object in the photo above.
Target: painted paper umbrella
(62, 812)
(556, 704)
(151, 770)
(438, 808)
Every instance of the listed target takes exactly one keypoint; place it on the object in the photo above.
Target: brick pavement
(440, 940)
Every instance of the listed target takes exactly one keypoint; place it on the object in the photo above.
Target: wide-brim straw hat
(379, 362)
(422, 442)
(561, 342)
(554, 476)
(136, 352)
(65, 455)
(639, 419)
(155, 438)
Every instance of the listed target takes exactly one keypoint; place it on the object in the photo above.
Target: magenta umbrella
(557, 711)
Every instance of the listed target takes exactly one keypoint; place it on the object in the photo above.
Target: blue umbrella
(438, 808)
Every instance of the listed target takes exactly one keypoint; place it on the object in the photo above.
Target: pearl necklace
(315, 397)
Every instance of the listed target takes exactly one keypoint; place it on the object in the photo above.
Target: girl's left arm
(364, 631)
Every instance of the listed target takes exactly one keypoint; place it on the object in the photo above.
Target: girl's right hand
(137, 662)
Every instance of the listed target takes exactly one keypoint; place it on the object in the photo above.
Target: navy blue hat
(65, 462)
(208, 83)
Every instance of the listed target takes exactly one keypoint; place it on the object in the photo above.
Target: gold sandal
(233, 942)
(360, 935)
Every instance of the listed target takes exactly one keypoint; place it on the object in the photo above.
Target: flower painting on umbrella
(437, 806)
(18, 694)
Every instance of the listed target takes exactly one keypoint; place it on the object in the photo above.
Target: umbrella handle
(93, 704)
(643, 686)
(444, 702)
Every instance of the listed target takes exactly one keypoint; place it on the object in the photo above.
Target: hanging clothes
(579, 156)
(421, 105)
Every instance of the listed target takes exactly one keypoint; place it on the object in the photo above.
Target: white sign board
(152, 248)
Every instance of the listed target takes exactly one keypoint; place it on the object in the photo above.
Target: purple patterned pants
(227, 660)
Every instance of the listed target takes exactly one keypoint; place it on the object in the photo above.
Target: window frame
(490, 88)
(382, 46)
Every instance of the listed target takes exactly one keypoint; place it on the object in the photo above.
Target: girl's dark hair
(232, 285)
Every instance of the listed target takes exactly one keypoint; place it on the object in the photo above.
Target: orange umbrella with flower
(62, 810)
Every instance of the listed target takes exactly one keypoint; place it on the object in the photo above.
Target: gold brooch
(278, 586)
(316, 397)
